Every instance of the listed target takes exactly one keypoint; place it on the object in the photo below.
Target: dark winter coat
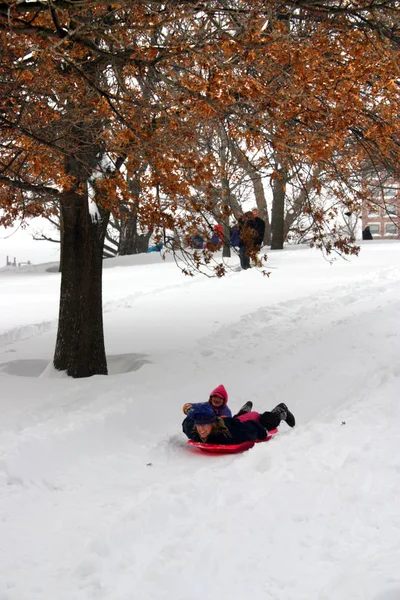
(235, 236)
(240, 432)
(251, 228)
(215, 240)
(197, 242)
(259, 228)
(366, 234)
(244, 233)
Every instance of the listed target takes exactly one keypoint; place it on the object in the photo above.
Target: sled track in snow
(383, 280)
(17, 334)
(339, 302)
(31, 330)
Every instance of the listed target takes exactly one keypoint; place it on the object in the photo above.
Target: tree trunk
(128, 233)
(132, 242)
(80, 341)
(261, 202)
(226, 248)
(142, 242)
(258, 188)
(278, 211)
(225, 192)
(301, 200)
(61, 240)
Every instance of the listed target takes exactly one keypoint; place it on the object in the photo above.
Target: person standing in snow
(197, 241)
(216, 241)
(366, 234)
(234, 236)
(245, 239)
(218, 400)
(251, 236)
(258, 225)
(157, 248)
(203, 425)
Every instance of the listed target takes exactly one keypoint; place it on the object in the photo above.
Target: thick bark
(225, 192)
(80, 341)
(300, 201)
(261, 204)
(258, 188)
(132, 242)
(226, 248)
(127, 242)
(61, 241)
(142, 242)
(296, 211)
(278, 211)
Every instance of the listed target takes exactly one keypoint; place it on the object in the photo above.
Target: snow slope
(100, 498)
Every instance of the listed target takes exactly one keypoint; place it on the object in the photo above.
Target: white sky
(19, 243)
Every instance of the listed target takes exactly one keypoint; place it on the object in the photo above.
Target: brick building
(383, 214)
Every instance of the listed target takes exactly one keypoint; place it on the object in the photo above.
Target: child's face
(216, 401)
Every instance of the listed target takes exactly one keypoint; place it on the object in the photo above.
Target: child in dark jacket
(203, 425)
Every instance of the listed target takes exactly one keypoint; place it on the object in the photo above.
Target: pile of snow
(101, 498)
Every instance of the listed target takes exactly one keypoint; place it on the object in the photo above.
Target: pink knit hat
(221, 392)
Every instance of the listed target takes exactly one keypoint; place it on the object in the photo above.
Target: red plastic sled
(230, 449)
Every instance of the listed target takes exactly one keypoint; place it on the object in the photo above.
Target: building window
(391, 209)
(390, 192)
(390, 229)
(374, 228)
(373, 210)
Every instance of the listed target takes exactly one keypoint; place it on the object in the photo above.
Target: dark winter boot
(285, 414)
(247, 407)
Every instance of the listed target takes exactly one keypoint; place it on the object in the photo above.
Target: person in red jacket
(216, 241)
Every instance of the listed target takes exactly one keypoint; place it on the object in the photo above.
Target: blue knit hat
(204, 415)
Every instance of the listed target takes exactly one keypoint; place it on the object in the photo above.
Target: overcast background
(19, 243)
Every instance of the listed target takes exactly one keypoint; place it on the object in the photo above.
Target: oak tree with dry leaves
(105, 108)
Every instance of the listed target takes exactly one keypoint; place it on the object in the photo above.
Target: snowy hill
(100, 497)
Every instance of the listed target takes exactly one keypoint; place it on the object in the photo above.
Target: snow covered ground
(100, 498)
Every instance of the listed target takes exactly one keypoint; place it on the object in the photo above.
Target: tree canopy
(109, 107)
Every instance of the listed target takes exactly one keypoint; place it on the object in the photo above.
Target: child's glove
(188, 409)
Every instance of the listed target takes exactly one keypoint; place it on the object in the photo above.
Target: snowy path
(101, 499)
